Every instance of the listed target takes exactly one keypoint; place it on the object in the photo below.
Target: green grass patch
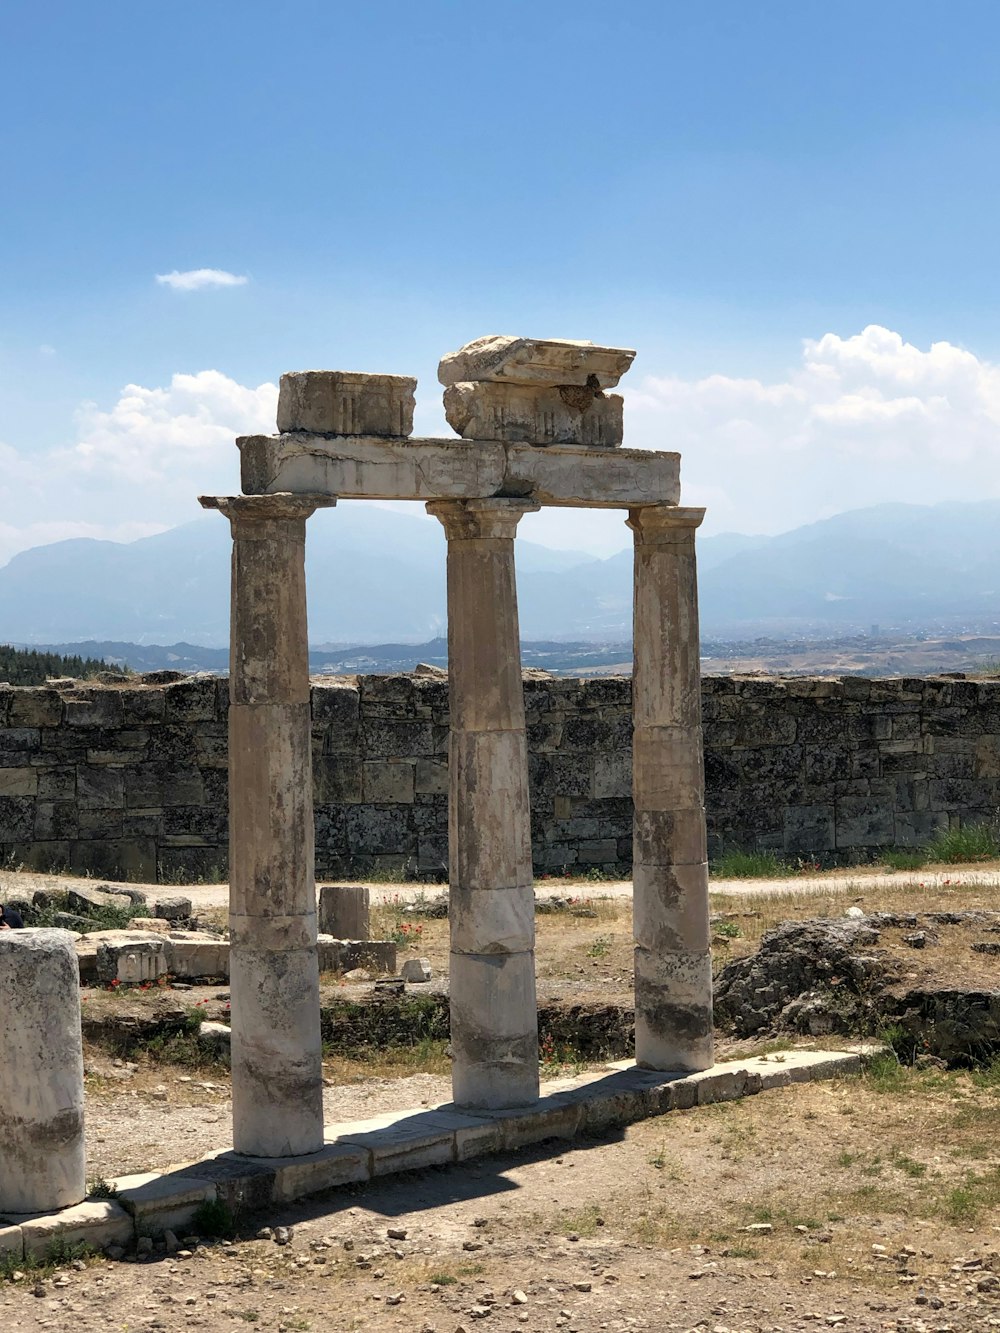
(214, 1217)
(971, 842)
(735, 864)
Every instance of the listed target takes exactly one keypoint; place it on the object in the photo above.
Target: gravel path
(204, 896)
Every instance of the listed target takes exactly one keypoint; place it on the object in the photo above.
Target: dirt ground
(860, 1204)
(871, 1203)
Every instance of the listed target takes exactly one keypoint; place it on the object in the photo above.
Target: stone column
(274, 975)
(41, 1072)
(673, 965)
(494, 1013)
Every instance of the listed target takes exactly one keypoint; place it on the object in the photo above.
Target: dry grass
(896, 1158)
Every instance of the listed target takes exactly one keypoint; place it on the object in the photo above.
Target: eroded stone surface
(568, 414)
(547, 362)
(341, 402)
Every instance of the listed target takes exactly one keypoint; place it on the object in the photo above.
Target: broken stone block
(190, 958)
(340, 402)
(568, 414)
(85, 900)
(544, 362)
(176, 908)
(416, 970)
(131, 961)
(216, 1038)
(344, 911)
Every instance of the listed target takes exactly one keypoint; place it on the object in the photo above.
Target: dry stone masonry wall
(132, 780)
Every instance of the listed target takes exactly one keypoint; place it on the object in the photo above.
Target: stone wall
(131, 780)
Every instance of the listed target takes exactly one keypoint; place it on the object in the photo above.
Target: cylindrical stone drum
(41, 1072)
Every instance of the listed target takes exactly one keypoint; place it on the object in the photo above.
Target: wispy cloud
(194, 279)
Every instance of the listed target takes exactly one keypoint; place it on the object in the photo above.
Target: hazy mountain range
(377, 575)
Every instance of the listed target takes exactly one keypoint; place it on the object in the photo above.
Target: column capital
(267, 508)
(656, 524)
(468, 520)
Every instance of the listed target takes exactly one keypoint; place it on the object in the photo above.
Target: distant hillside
(377, 576)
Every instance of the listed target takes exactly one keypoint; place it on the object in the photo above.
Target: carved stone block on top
(513, 412)
(342, 402)
(545, 362)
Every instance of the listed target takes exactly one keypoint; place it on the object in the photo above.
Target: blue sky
(720, 185)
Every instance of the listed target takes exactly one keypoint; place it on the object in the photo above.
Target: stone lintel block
(670, 908)
(587, 478)
(99, 1223)
(492, 921)
(540, 416)
(670, 837)
(505, 358)
(366, 467)
(161, 1201)
(342, 402)
(370, 467)
(335, 1164)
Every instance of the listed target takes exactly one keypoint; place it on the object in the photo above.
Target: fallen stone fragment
(416, 970)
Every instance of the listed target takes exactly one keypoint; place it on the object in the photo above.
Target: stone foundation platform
(593, 1104)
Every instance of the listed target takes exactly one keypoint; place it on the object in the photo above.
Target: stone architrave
(673, 966)
(343, 402)
(366, 468)
(274, 973)
(41, 1072)
(494, 1016)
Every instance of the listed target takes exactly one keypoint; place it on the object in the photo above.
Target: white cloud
(860, 420)
(136, 467)
(194, 279)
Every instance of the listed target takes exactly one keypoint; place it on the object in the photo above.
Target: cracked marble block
(542, 391)
(342, 402)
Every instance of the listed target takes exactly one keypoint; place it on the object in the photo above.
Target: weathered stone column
(494, 1013)
(41, 1072)
(274, 976)
(673, 965)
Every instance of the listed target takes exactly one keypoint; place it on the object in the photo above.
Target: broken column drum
(41, 1072)
(536, 427)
